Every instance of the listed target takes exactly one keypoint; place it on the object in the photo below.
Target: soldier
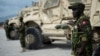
(96, 52)
(22, 35)
(81, 34)
(6, 28)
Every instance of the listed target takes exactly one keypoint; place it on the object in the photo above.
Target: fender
(34, 23)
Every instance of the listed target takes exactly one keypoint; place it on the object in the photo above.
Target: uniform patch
(84, 23)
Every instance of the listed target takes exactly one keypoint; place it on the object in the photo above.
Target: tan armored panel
(32, 16)
(53, 10)
(50, 13)
(25, 10)
(14, 20)
(95, 13)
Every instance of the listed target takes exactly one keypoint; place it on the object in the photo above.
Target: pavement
(13, 48)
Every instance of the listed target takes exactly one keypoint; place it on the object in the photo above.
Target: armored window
(51, 3)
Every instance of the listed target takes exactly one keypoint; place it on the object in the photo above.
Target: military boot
(23, 50)
(72, 53)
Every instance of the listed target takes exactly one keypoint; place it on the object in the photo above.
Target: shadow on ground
(57, 45)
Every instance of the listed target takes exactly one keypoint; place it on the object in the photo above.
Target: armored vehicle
(95, 18)
(41, 25)
(10, 27)
(95, 21)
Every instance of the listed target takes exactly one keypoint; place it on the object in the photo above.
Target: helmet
(77, 5)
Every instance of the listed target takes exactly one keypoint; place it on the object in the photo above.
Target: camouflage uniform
(81, 36)
(22, 35)
(97, 50)
(6, 28)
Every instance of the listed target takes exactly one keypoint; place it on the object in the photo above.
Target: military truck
(41, 23)
(95, 21)
(10, 27)
(95, 18)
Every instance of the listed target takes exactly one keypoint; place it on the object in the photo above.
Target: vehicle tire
(13, 33)
(33, 38)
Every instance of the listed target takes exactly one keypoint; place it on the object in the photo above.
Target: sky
(12, 7)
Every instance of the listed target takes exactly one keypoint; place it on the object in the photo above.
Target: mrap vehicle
(40, 24)
(10, 27)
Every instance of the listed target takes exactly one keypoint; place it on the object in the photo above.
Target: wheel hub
(12, 33)
(29, 39)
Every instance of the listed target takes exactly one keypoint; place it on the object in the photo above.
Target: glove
(62, 26)
(58, 27)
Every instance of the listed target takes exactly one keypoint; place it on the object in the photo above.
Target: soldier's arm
(86, 29)
(22, 25)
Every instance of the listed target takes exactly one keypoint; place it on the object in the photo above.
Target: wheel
(13, 33)
(33, 38)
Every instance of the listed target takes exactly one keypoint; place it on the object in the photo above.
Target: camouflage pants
(87, 51)
(22, 35)
(97, 51)
(22, 40)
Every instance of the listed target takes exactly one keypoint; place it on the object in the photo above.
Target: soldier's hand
(79, 51)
